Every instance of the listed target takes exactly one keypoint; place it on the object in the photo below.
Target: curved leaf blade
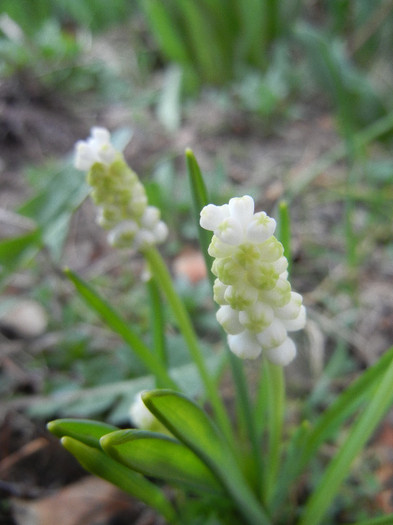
(83, 430)
(192, 426)
(98, 463)
(160, 457)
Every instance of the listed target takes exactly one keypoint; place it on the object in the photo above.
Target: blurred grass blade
(98, 463)
(382, 520)
(343, 407)
(17, 251)
(53, 206)
(119, 326)
(312, 437)
(205, 47)
(83, 430)
(200, 200)
(358, 436)
(159, 456)
(166, 31)
(284, 230)
(191, 425)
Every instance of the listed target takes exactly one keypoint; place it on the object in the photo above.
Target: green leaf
(338, 468)
(165, 30)
(382, 520)
(98, 463)
(17, 251)
(343, 407)
(200, 200)
(83, 430)
(53, 207)
(159, 456)
(115, 322)
(191, 425)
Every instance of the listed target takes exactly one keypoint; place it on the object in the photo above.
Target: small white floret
(245, 345)
(230, 231)
(260, 227)
(283, 354)
(97, 148)
(160, 232)
(298, 323)
(211, 216)
(242, 209)
(273, 335)
(229, 320)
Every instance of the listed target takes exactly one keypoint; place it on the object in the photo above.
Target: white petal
(283, 354)
(150, 217)
(244, 345)
(273, 336)
(242, 209)
(230, 231)
(260, 227)
(292, 309)
(219, 290)
(160, 232)
(84, 156)
(257, 318)
(100, 135)
(123, 234)
(219, 249)
(296, 324)
(212, 215)
(229, 320)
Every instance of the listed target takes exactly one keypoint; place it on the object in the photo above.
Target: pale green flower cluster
(119, 194)
(257, 306)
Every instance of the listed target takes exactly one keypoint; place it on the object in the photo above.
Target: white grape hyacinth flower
(97, 148)
(120, 196)
(257, 306)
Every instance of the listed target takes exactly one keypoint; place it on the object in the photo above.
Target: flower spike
(257, 306)
(120, 196)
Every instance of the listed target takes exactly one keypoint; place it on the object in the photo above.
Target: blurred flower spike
(118, 193)
(257, 306)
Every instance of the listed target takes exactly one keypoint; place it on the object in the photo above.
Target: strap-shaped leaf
(199, 199)
(192, 426)
(161, 457)
(117, 324)
(358, 435)
(88, 432)
(98, 463)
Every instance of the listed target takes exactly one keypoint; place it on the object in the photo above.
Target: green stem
(276, 409)
(162, 276)
(243, 406)
(338, 468)
(245, 416)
